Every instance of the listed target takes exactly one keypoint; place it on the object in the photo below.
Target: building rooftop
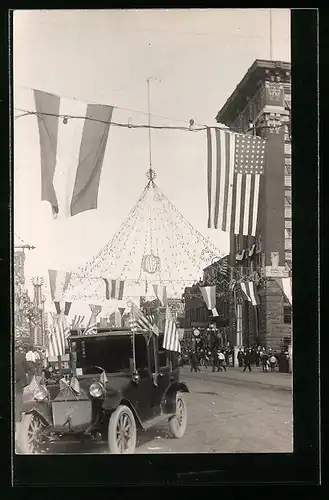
(246, 88)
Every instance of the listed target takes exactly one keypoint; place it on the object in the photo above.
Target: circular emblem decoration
(196, 332)
(151, 263)
(207, 255)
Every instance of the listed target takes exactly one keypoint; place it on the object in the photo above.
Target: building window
(287, 181)
(288, 233)
(287, 223)
(287, 314)
(287, 166)
(287, 244)
(287, 201)
(287, 148)
(287, 212)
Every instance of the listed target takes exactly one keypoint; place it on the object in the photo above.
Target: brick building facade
(260, 105)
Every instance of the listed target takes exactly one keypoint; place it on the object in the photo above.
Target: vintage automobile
(119, 383)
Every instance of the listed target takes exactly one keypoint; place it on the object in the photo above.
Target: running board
(156, 420)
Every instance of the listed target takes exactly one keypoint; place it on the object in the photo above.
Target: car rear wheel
(177, 423)
(30, 434)
(122, 432)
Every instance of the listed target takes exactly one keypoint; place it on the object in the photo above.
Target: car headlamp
(41, 394)
(96, 390)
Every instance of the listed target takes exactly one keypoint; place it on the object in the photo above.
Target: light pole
(38, 282)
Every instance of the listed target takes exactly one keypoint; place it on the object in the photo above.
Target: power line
(142, 126)
(119, 107)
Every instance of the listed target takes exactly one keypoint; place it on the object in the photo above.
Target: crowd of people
(222, 358)
(268, 359)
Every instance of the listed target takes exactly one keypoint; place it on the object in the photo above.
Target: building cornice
(260, 71)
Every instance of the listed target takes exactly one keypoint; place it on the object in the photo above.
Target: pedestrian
(21, 380)
(265, 361)
(215, 360)
(240, 358)
(272, 362)
(257, 358)
(221, 361)
(247, 360)
(194, 362)
(227, 357)
(38, 362)
(30, 358)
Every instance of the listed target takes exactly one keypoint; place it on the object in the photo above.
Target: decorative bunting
(209, 296)
(161, 294)
(250, 293)
(114, 289)
(59, 281)
(285, 285)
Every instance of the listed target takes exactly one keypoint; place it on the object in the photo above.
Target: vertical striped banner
(72, 151)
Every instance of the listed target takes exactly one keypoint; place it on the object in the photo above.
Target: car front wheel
(122, 432)
(177, 423)
(29, 436)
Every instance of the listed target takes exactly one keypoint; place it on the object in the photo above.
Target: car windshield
(113, 354)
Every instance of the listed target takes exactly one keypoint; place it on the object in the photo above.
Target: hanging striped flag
(72, 151)
(91, 328)
(140, 322)
(77, 322)
(161, 294)
(114, 289)
(209, 296)
(58, 281)
(171, 337)
(249, 292)
(285, 285)
(235, 164)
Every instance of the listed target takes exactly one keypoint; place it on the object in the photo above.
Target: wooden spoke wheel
(30, 434)
(178, 423)
(122, 432)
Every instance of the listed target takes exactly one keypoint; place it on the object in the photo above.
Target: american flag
(171, 337)
(235, 164)
(140, 322)
(56, 336)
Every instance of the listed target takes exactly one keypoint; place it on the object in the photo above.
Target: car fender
(170, 394)
(111, 404)
(43, 410)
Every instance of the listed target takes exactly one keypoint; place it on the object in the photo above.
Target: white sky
(106, 57)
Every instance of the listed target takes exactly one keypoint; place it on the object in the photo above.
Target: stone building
(260, 104)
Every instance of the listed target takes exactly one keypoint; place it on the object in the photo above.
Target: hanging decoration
(151, 263)
(209, 296)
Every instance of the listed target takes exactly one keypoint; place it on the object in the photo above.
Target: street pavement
(228, 412)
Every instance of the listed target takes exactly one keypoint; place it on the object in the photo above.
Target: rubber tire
(175, 431)
(22, 440)
(112, 442)
(202, 362)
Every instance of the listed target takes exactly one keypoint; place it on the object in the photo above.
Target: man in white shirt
(30, 358)
(221, 359)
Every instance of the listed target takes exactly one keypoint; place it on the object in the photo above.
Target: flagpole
(149, 122)
(271, 39)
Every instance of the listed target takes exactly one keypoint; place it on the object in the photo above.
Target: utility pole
(271, 37)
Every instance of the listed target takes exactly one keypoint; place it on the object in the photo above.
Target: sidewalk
(256, 376)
